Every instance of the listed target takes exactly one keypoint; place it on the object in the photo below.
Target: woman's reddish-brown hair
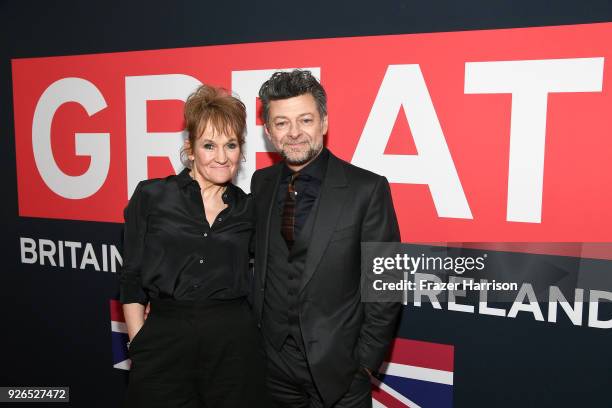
(216, 107)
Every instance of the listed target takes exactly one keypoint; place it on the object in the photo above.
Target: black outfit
(170, 251)
(318, 334)
(204, 354)
(292, 384)
(307, 185)
(281, 304)
(199, 346)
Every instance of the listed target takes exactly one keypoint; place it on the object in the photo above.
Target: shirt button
(219, 219)
(196, 286)
(205, 234)
(202, 260)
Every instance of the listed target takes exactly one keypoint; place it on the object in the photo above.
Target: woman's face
(215, 157)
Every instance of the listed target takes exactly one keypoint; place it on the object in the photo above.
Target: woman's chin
(221, 178)
(218, 176)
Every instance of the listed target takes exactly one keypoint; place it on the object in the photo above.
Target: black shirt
(170, 250)
(307, 185)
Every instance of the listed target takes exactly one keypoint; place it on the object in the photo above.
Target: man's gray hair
(284, 85)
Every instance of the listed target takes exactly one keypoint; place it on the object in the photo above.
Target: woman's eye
(209, 146)
(232, 145)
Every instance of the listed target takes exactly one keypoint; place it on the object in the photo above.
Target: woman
(186, 251)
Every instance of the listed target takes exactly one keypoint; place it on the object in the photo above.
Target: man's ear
(324, 125)
(267, 132)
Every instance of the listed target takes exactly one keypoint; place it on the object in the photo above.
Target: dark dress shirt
(307, 185)
(170, 250)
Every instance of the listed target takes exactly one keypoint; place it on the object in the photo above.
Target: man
(313, 211)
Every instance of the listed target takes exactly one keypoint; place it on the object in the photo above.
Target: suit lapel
(268, 194)
(331, 201)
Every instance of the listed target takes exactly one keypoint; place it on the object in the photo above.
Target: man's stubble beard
(310, 154)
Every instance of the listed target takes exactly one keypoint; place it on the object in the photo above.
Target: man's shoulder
(265, 173)
(357, 174)
(268, 170)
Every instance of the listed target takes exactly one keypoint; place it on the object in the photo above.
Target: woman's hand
(147, 310)
(134, 314)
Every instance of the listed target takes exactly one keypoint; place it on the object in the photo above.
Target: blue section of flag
(119, 341)
(424, 393)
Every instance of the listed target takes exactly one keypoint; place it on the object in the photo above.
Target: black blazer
(341, 334)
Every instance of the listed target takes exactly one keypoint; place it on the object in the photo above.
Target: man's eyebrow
(285, 117)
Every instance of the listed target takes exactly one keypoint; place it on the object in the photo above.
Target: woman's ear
(187, 149)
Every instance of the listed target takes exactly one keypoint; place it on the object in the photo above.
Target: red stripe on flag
(422, 354)
(116, 311)
(386, 399)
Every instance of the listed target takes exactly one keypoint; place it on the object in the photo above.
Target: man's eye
(280, 124)
(307, 120)
(209, 146)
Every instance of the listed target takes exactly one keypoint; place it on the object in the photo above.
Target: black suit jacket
(340, 333)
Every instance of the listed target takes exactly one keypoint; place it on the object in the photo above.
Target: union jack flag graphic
(418, 374)
(119, 336)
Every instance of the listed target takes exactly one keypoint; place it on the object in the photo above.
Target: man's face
(296, 129)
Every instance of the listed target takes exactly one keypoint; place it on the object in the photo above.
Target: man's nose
(294, 130)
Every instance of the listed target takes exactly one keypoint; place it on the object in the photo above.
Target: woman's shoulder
(241, 201)
(158, 185)
(238, 193)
